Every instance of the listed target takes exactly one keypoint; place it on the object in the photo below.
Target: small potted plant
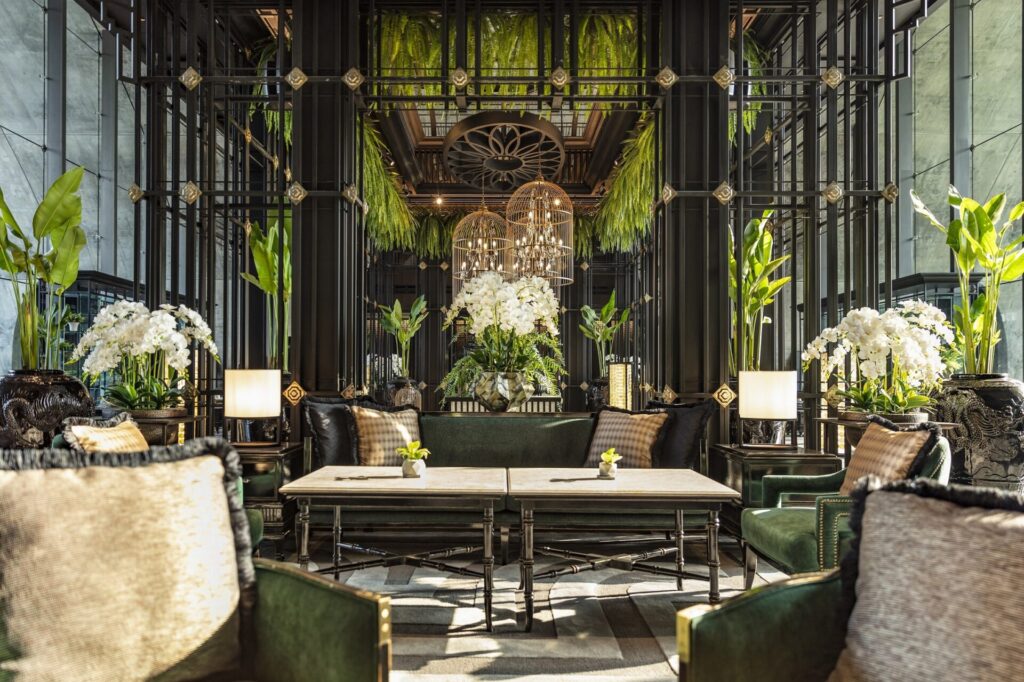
(601, 327)
(414, 459)
(608, 465)
(401, 389)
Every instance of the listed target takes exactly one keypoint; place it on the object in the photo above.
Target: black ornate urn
(34, 402)
(597, 394)
(988, 448)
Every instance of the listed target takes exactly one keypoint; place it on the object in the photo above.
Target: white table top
(637, 484)
(388, 481)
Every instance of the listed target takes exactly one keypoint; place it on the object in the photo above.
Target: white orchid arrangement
(148, 352)
(897, 358)
(513, 323)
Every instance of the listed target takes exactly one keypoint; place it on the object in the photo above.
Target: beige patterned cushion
(379, 434)
(938, 588)
(632, 435)
(106, 574)
(125, 437)
(888, 454)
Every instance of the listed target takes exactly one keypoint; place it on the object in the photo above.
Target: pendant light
(479, 243)
(540, 223)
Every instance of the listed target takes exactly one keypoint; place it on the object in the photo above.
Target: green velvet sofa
(802, 539)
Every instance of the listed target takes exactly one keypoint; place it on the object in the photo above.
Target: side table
(264, 471)
(742, 468)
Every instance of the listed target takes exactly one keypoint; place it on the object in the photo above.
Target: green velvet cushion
(506, 440)
(783, 535)
(255, 518)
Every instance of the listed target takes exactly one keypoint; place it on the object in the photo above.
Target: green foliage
(434, 233)
(609, 456)
(627, 208)
(57, 228)
(390, 224)
(755, 58)
(873, 396)
(265, 251)
(501, 351)
(976, 243)
(602, 327)
(395, 323)
(413, 450)
(266, 52)
(145, 392)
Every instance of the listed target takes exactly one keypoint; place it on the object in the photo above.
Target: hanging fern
(389, 222)
(755, 59)
(625, 212)
(583, 236)
(266, 52)
(434, 233)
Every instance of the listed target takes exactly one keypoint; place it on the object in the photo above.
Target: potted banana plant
(601, 328)
(987, 404)
(42, 262)
(265, 248)
(401, 389)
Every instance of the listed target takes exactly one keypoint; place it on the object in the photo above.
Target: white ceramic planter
(607, 469)
(413, 468)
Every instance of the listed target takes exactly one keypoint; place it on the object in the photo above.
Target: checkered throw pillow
(379, 434)
(632, 435)
(888, 453)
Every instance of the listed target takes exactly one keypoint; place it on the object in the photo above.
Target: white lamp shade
(252, 393)
(768, 395)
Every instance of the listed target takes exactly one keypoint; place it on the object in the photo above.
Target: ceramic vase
(502, 391)
(413, 468)
(607, 469)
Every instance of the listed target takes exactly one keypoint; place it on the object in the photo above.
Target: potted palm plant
(42, 264)
(601, 327)
(267, 249)
(988, 405)
(401, 389)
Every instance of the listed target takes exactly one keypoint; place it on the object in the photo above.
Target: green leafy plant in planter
(265, 248)
(413, 459)
(413, 450)
(977, 244)
(48, 255)
(602, 327)
(755, 291)
(609, 463)
(394, 321)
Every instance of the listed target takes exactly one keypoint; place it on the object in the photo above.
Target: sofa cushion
(330, 424)
(506, 440)
(117, 434)
(680, 446)
(784, 535)
(889, 453)
(379, 434)
(634, 435)
(936, 572)
(122, 566)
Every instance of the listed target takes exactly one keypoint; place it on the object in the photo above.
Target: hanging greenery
(755, 59)
(390, 224)
(434, 233)
(266, 51)
(625, 212)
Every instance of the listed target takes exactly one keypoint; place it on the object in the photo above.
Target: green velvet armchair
(790, 630)
(802, 539)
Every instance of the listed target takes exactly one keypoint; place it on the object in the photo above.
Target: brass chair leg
(749, 566)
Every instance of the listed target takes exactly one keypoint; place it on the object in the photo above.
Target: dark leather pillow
(680, 445)
(330, 424)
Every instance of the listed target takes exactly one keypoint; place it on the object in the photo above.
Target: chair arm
(774, 487)
(832, 517)
(790, 630)
(309, 628)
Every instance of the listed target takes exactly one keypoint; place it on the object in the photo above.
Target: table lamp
(253, 394)
(767, 396)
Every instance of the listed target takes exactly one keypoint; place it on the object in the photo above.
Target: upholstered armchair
(814, 535)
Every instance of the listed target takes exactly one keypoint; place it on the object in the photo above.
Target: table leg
(713, 564)
(526, 561)
(488, 562)
(304, 533)
(336, 536)
(679, 549)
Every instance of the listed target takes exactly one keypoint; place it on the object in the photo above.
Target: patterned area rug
(595, 625)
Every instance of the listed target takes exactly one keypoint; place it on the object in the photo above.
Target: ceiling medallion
(190, 192)
(832, 77)
(540, 219)
(294, 393)
(190, 78)
(559, 78)
(354, 78)
(135, 193)
(891, 193)
(479, 244)
(666, 78)
(499, 151)
(724, 77)
(833, 193)
(459, 78)
(668, 395)
(296, 193)
(724, 395)
(668, 193)
(724, 193)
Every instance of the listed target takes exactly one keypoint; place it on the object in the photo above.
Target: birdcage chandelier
(479, 244)
(540, 233)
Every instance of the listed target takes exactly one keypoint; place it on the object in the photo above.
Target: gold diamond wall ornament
(423, 265)
(724, 395)
(832, 77)
(767, 135)
(559, 78)
(563, 385)
(296, 78)
(891, 193)
(724, 77)
(190, 78)
(351, 194)
(444, 266)
(666, 78)
(294, 393)
(247, 135)
(349, 392)
(354, 78)
(296, 193)
(646, 388)
(584, 266)
(135, 193)
(724, 193)
(668, 193)
(460, 79)
(648, 298)
(584, 386)
(833, 193)
(190, 192)
(422, 385)
(668, 395)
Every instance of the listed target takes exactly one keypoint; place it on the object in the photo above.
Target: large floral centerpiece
(515, 347)
(896, 358)
(145, 353)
